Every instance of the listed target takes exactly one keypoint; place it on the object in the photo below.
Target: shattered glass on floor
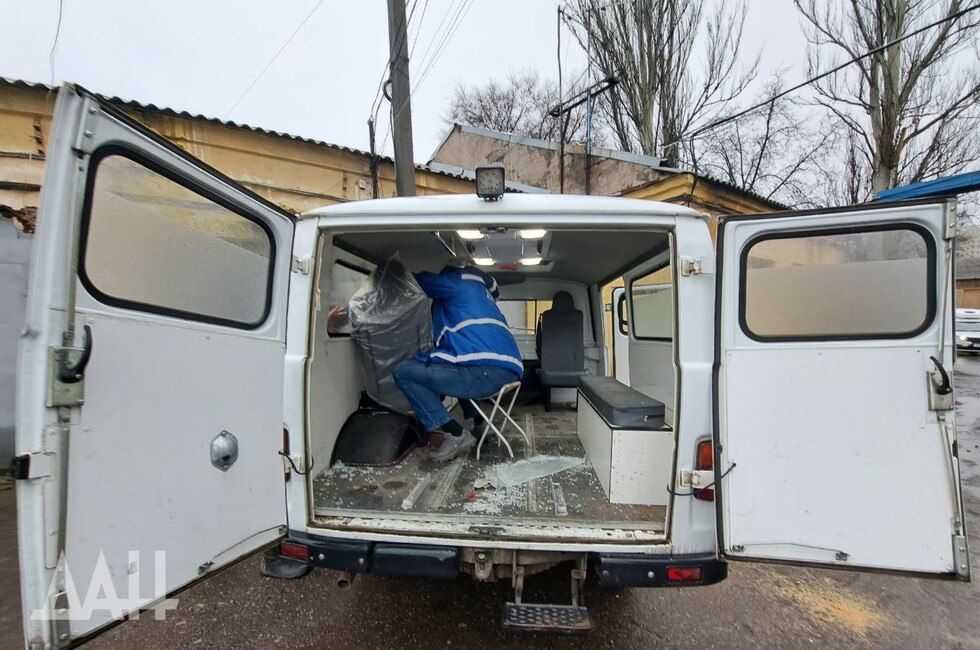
(550, 481)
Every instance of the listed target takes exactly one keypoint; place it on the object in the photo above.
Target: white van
(180, 390)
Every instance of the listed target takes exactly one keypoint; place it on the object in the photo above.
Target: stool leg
(507, 414)
(483, 437)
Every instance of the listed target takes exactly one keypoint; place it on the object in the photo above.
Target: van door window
(652, 312)
(345, 280)
(151, 244)
(852, 284)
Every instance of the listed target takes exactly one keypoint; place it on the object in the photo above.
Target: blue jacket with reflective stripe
(467, 325)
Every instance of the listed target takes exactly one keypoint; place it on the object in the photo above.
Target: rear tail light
(295, 551)
(683, 574)
(705, 461)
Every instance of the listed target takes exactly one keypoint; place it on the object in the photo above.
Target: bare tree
(771, 151)
(912, 108)
(520, 104)
(655, 47)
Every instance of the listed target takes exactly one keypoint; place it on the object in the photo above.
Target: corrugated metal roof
(626, 156)
(538, 143)
(947, 185)
(470, 174)
(166, 110)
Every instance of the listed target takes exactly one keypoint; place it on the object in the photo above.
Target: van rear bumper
(613, 570)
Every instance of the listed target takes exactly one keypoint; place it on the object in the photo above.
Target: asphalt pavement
(758, 606)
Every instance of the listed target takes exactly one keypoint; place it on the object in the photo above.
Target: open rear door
(150, 392)
(834, 410)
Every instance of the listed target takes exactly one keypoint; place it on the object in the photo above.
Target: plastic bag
(391, 320)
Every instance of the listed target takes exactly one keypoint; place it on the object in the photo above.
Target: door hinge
(697, 478)
(302, 265)
(32, 465)
(697, 265)
(961, 555)
(60, 620)
(949, 220)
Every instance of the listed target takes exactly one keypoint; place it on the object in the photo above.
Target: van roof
(516, 204)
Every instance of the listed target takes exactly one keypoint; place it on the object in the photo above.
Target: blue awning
(948, 185)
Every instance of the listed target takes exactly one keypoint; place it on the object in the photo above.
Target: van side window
(522, 315)
(345, 280)
(844, 284)
(151, 244)
(652, 306)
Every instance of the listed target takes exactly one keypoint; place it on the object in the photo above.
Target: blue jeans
(424, 386)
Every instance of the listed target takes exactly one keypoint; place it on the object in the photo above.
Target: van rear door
(150, 383)
(834, 432)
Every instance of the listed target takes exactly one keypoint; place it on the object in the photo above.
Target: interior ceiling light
(532, 233)
(469, 234)
(483, 261)
(530, 261)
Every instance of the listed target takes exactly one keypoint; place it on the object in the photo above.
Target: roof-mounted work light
(490, 182)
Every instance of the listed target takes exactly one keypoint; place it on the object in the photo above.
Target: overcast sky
(200, 55)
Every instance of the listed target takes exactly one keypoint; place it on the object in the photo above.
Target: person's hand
(337, 320)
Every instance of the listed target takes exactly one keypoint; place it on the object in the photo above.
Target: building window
(152, 244)
(844, 284)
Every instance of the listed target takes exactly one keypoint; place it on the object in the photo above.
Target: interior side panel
(334, 376)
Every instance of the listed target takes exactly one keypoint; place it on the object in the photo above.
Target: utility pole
(375, 190)
(401, 98)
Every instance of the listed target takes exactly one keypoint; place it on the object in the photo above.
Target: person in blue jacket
(474, 355)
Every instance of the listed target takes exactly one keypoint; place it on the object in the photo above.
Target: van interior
(598, 452)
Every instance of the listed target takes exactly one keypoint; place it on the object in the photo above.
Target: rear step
(540, 617)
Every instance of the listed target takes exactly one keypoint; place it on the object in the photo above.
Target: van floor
(419, 486)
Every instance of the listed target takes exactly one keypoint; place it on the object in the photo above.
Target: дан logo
(101, 594)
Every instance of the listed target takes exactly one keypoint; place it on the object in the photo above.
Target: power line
(54, 44)
(450, 31)
(418, 29)
(725, 120)
(273, 59)
(438, 34)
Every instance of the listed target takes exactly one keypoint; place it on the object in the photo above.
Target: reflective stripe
(475, 278)
(479, 356)
(466, 323)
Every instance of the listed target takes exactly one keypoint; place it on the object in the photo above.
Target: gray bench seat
(622, 407)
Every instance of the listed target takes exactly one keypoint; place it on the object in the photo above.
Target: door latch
(940, 388)
(66, 373)
(32, 465)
